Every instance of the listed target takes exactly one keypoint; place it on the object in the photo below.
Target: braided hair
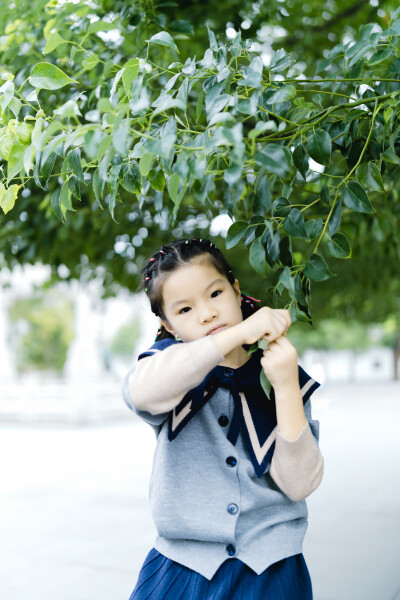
(178, 254)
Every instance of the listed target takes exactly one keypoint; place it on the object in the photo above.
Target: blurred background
(75, 462)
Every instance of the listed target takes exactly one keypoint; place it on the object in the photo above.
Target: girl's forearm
(289, 410)
(159, 382)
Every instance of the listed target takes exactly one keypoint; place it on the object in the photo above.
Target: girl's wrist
(286, 387)
(229, 339)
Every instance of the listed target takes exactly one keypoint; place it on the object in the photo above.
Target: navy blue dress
(161, 578)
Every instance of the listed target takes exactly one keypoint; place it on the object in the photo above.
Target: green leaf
(75, 164)
(212, 39)
(6, 94)
(15, 160)
(280, 61)
(165, 102)
(336, 216)
(101, 26)
(300, 159)
(58, 209)
(157, 179)
(319, 147)
(65, 198)
(314, 227)
(324, 195)
(163, 39)
(217, 104)
(273, 247)
(265, 383)
(281, 207)
(131, 178)
(73, 185)
(339, 246)
(131, 71)
(387, 114)
(235, 233)
(220, 118)
(233, 174)
(316, 269)
(262, 198)
(98, 188)
(275, 158)
(53, 42)
(390, 156)
(252, 74)
(355, 198)
(121, 139)
(286, 281)
(46, 76)
(369, 176)
(261, 127)
(173, 188)
(144, 163)
(90, 62)
(48, 165)
(8, 197)
(379, 57)
(257, 256)
(294, 224)
(68, 110)
(284, 94)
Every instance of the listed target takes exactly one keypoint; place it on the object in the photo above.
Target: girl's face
(197, 299)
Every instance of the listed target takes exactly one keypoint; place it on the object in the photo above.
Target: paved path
(75, 522)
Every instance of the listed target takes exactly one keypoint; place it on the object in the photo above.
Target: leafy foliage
(100, 112)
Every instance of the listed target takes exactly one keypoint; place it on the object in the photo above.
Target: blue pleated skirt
(161, 578)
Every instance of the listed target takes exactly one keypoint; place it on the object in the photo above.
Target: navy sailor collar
(254, 415)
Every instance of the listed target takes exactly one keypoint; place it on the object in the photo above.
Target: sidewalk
(75, 522)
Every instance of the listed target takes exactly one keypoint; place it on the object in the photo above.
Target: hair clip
(147, 278)
(161, 251)
(151, 260)
(187, 241)
(145, 289)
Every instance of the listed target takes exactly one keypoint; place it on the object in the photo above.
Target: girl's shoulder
(159, 347)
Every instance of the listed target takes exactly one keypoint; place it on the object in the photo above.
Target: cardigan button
(223, 420)
(230, 549)
(228, 372)
(232, 509)
(231, 461)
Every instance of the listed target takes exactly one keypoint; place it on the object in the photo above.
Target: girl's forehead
(189, 280)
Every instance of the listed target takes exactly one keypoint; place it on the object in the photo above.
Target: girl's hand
(280, 363)
(266, 323)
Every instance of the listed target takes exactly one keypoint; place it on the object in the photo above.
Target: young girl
(232, 467)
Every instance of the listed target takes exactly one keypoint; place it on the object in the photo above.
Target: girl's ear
(237, 288)
(167, 327)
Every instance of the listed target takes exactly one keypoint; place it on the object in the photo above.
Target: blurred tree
(39, 336)
(124, 341)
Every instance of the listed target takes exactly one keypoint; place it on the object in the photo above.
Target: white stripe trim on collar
(259, 451)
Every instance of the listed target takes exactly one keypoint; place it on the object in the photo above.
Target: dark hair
(178, 254)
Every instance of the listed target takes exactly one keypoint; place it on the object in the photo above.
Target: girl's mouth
(217, 330)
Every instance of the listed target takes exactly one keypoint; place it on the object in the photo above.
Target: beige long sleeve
(297, 466)
(159, 382)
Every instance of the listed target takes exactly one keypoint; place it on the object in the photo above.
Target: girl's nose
(207, 313)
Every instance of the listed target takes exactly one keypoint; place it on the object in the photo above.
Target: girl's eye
(186, 308)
